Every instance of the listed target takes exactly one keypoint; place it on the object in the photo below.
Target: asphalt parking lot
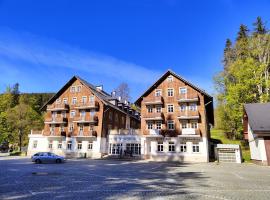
(112, 179)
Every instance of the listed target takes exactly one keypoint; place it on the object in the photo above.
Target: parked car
(4, 146)
(47, 157)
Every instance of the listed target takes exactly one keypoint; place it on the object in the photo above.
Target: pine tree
(228, 55)
(259, 27)
(242, 33)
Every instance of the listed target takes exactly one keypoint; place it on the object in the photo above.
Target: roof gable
(162, 78)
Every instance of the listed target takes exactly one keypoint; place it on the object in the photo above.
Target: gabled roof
(163, 77)
(258, 116)
(102, 95)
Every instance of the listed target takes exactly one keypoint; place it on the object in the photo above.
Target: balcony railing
(85, 134)
(56, 120)
(185, 98)
(55, 133)
(190, 131)
(153, 100)
(153, 116)
(125, 132)
(86, 119)
(57, 107)
(188, 114)
(87, 105)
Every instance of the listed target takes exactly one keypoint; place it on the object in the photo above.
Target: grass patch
(219, 135)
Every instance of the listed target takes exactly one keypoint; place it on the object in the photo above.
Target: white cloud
(37, 50)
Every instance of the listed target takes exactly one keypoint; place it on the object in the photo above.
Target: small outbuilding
(229, 153)
(256, 122)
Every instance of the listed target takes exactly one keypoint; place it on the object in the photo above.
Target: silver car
(47, 157)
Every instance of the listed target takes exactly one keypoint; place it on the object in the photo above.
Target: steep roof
(102, 95)
(258, 116)
(163, 77)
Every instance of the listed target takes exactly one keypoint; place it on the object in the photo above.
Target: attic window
(72, 89)
(170, 78)
(79, 88)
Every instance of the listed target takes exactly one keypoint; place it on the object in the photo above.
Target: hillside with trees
(19, 113)
(245, 76)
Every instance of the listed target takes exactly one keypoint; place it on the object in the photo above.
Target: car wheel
(38, 161)
(58, 161)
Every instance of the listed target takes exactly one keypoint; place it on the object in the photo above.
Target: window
(160, 147)
(183, 148)
(79, 145)
(170, 78)
(84, 99)
(192, 107)
(82, 113)
(35, 144)
(184, 124)
(79, 88)
(194, 124)
(150, 125)
(50, 145)
(63, 113)
(90, 146)
(69, 145)
(134, 148)
(170, 92)
(150, 109)
(195, 148)
(59, 146)
(115, 148)
(71, 127)
(92, 98)
(52, 129)
(158, 92)
(183, 107)
(74, 100)
(170, 108)
(72, 89)
(158, 109)
(171, 147)
(62, 128)
(81, 128)
(65, 101)
(182, 90)
(170, 125)
(72, 113)
(58, 101)
(158, 125)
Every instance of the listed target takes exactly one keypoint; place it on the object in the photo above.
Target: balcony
(87, 105)
(86, 119)
(188, 114)
(55, 133)
(190, 131)
(153, 100)
(186, 98)
(57, 107)
(56, 120)
(153, 116)
(85, 134)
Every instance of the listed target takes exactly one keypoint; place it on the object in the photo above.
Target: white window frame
(182, 89)
(158, 125)
(183, 107)
(90, 146)
(73, 89)
(160, 147)
(171, 93)
(184, 122)
(65, 100)
(170, 78)
(74, 100)
(79, 146)
(150, 109)
(71, 127)
(192, 123)
(35, 143)
(195, 148)
(158, 92)
(84, 99)
(79, 88)
(72, 113)
(158, 109)
(169, 107)
(69, 145)
(193, 107)
(58, 101)
(150, 125)
(171, 147)
(59, 145)
(50, 145)
(170, 122)
(183, 148)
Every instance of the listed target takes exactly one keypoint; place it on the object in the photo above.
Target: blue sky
(44, 43)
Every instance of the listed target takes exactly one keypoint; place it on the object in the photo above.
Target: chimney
(99, 87)
(113, 93)
(119, 98)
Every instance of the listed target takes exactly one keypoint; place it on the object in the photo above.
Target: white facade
(187, 148)
(257, 146)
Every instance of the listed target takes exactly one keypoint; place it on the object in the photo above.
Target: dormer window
(170, 78)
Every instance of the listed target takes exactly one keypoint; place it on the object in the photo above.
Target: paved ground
(111, 179)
